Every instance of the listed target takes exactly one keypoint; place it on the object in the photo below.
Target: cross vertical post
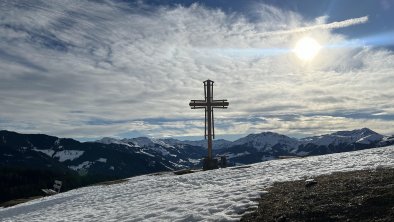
(209, 114)
(209, 104)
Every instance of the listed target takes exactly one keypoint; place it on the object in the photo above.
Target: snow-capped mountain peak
(364, 136)
(110, 140)
(139, 141)
(266, 140)
(355, 133)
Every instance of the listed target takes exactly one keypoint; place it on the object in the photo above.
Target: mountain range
(142, 155)
(30, 162)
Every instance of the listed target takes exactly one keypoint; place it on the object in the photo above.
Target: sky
(91, 69)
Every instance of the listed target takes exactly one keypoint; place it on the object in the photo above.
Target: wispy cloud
(88, 69)
(332, 25)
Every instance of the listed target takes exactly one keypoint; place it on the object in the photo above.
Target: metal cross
(209, 104)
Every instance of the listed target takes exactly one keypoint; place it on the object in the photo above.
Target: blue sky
(88, 69)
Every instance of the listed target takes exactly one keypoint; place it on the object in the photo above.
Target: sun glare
(307, 48)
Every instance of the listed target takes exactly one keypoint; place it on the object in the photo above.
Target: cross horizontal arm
(198, 107)
(213, 103)
(219, 107)
(204, 107)
(220, 104)
(198, 103)
(197, 100)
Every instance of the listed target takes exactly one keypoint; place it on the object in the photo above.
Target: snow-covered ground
(218, 195)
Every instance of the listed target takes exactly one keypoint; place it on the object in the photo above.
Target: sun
(307, 48)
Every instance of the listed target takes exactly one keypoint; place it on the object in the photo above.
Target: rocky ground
(351, 196)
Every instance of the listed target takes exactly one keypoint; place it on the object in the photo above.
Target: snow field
(218, 195)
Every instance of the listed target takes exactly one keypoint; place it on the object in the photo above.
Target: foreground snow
(213, 195)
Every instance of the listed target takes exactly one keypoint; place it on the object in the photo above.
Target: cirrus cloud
(87, 69)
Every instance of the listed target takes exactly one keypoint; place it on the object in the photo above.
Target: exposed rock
(310, 182)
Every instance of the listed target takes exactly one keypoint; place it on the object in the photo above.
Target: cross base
(213, 163)
(210, 164)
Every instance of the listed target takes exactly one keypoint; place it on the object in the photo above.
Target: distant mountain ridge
(363, 135)
(121, 159)
(134, 156)
(269, 145)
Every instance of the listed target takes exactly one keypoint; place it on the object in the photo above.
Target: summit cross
(209, 104)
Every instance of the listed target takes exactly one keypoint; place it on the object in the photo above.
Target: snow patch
(194, 161)
(233, 155)
(103, 160)
(143, 152)
(370, 138)
(48, 152)
(68, 155)
(57, 142)
(84, 165)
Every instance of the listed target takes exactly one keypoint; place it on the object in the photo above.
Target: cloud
(87, 69)
(332, 25)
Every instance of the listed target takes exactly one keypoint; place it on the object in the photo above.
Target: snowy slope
(364, 136)
(219, 195)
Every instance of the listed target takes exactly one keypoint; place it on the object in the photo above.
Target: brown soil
(352, 196)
